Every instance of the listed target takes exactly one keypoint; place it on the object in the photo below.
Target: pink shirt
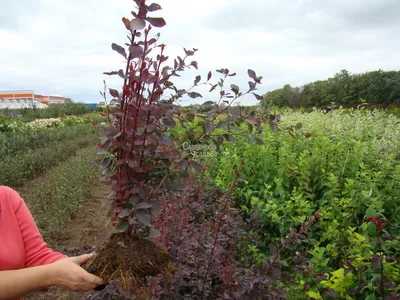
(21, 244)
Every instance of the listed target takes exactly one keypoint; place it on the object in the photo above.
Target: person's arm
(18, 283)
(37, 252)
(65, 273)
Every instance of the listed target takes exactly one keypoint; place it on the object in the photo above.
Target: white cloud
(62, 47)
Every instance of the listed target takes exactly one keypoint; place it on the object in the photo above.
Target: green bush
(57, 197)
(18, 169)
(349, 164)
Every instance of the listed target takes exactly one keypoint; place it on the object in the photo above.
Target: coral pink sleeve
(36, 250)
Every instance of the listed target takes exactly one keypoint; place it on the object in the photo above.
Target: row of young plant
(25, 166)
(15, 143)
(30, 149)
(345, 167)
(56, 199)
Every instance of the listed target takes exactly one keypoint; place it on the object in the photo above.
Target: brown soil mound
(127, 258)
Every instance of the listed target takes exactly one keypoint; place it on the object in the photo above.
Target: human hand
(68, 273)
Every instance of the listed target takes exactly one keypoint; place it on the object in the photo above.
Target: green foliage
(376, 87)
(57, 197)
(22, 140)
(339, 165)
(29, 164)
(52, 111)
(371, 269)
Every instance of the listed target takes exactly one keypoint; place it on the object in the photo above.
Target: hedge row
(56, 198)
(19, 142)
(16, 170)
(52, 111)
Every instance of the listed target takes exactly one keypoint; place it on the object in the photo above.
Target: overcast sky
(63, 47)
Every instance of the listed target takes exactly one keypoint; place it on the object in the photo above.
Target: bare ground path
(90, 227)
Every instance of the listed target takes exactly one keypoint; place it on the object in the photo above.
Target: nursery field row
(18, 169)
(55, 198)
(30, 149)
(21, 141)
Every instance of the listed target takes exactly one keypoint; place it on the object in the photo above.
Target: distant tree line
(344, 89)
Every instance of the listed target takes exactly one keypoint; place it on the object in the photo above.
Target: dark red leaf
(189, 117)
(213, 88)
(252, 74)
(321, 276)
(111, 73)
(144, 218)
(136, 51)
(258, 97)
(209, 126)
(208, 104)
(155, 208)
(390, 259)
(209, 76)
(389, 237)
(177, 186)
(119, 49)
(258, 141)
(105, 163)
(194, 95)
(375, 261)
(122, 75)
(156, 22)
(126, 22)
(306, 287)
(220, 140)
(330, 292)
(197, 80)
(154, 7)
(169, 122)
(196, 166)
(255, 270)
(235, 88)
(114, 93)
(137, 24)
(143, 205)
(122, 225)
(378, 222)
(234, 111)
(390, 284)
(194, 64)
(252, 86)
(229, 138)
(273, 249)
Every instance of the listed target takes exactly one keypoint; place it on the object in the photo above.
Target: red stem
(221, 218)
